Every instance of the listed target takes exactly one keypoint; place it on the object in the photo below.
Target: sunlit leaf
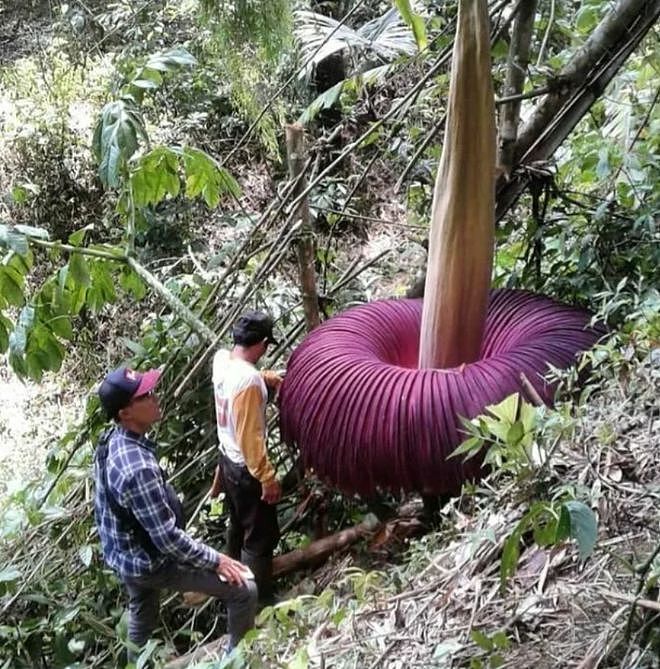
(414, 21)
(584, 528)
(13, 240)
(506, 410)
(85, 553)
(76, 238)
(116, 138)
(79, 269)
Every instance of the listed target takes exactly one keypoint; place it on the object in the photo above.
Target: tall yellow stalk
(462, 231)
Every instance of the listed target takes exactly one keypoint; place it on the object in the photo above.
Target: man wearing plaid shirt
(140, 519)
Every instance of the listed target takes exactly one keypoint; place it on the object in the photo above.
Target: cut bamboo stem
(295, 147)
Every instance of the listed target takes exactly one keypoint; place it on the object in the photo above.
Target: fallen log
(319, 550)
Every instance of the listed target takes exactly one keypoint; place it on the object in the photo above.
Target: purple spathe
(365, 417)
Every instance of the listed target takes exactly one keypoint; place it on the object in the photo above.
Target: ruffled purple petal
(364, 417)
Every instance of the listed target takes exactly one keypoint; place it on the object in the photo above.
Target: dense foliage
(145, 202)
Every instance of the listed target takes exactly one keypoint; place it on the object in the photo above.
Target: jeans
(144, 592)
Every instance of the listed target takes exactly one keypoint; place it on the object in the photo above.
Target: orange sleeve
(248, 409)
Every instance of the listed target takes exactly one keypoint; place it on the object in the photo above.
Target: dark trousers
(253, 530)
(144, 600)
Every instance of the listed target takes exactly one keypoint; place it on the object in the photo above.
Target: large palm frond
(385, 37)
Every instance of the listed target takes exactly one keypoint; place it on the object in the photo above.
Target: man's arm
(271, 379)
(148, 502)
(249, 424)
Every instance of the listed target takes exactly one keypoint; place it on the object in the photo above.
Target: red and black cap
(122, 385)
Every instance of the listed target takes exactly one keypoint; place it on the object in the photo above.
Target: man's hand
(233, 571)
(271, 492)
(272, 379)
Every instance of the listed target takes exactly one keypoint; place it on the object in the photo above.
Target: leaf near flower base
(583, 526)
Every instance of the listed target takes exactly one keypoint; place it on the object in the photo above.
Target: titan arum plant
(374, 397)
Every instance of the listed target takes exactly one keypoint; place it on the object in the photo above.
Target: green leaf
(528, 416)
(506, 410)
(76, 238)
(545, 530)
(4, 337)
(17, 362)
(515, 433)
(564, 525)
(481, 640)
(495, 661)
(53, 351)
(510, 555)
(155, 176)
(414, 21)
(586, 19)
(11, 288)
(132, 283)
(323, 101)
(35, 364)
(584, 528)
(499, 50)
(116, 138)
(500, 640)
(204, 177)
(470, 446)
(300, 660)
(19, 194)
(134, 347)
(20, 265)
(498, 427)
(102, 288)
(79, 269)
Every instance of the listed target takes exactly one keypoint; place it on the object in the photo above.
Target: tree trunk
(462, 222)
(305, 245)
(580, 83)
(515, 80)
(585, 79)
(612, 33)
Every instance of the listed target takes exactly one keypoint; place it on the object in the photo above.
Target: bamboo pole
(295, 148)
(177, 306)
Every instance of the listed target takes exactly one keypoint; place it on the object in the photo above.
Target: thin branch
(537, 92)
(546, 36)
(67, 248)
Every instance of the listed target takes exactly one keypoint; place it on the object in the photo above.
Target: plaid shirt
(137, 483)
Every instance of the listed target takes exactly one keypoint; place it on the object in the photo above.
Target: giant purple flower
(365, 417)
